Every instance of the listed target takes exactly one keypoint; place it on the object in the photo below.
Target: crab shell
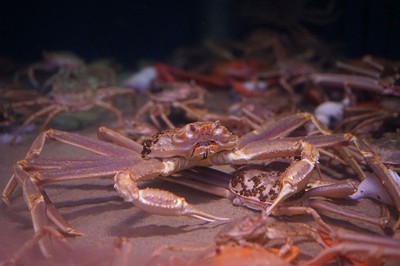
(197, 140)
(256, 186)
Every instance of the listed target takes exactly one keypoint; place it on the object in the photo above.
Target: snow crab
(58, 64)
(168, 152)
(71, 97)
(166, 96)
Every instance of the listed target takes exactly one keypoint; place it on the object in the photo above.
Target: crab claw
(157, 201)
(166, 203)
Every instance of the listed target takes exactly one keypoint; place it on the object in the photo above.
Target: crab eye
(217, 124)
(193, 128)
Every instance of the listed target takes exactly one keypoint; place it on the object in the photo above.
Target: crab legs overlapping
(195, 144)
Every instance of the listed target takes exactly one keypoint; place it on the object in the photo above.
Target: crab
(168, 152)
(56, 63)
(164, 97)
(254, 238)
(71, 96)
(257, 229)
(251, 239)
(59, 64)
(375, 249)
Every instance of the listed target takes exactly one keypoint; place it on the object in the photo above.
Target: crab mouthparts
(204, 149)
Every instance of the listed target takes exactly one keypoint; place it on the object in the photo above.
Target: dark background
(133, 30)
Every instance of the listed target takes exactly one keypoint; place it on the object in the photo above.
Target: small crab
(59, 64)
(168, 152)
(164, 97)
(71, 96)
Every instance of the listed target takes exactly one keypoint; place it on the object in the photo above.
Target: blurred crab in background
(69, 96)
(69, 86)
(166, 97)
(370, 93)
(60, 64)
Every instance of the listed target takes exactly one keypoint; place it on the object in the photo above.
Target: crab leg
(76, 140)
(353, 81)
(38, 209)
(282, 128)
(320, 205)
(79, 141)
(155, 200)
(109, 135)
(46, 234)
(30, 119)
(204, 182)
(110, 107)
(375, 248)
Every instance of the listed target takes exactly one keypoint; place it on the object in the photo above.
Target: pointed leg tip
(6, 201)
(71, 231)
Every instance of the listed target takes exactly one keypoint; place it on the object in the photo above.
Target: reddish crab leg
(374, 247)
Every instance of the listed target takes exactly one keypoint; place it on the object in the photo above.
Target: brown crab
(195, 144)
(167, 96)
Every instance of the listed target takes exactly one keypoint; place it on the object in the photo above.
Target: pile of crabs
(300, 138)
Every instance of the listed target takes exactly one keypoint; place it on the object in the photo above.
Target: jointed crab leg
(68, 138)
(111, 160)
(282, 128)
(374, 247)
